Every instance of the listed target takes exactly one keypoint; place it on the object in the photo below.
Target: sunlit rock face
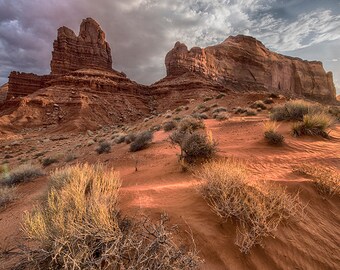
(247, 61)
(87, 50)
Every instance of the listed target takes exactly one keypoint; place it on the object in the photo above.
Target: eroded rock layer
(87, 50)
(3, 93)
(247, 62)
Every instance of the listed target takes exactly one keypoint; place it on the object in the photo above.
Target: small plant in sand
(142, 141)
(326, 179)
(190, 124)
(258, 208)
(314, 124)
(219, 110)
(104, 147)
(294, 110)
(79, 226)
(48, 161)
(7, 195)
(221, 116)
(270, 133)
(258, 104)
(250, 112)
(22, 174)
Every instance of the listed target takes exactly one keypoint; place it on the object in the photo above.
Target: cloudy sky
(141, 32)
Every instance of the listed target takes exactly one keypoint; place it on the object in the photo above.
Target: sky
(141, 32)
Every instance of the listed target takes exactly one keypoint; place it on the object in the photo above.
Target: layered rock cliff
(87, 50)
(3, 92)
(245, 62)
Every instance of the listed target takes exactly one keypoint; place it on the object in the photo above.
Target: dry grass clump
(104, 147)
(168, 126)
(48, 161)
(271, 134)
(129, 138)
(79, 227)
(250, 112)
(258, 104)
(221, 116)
(200, 116)
(314, 124)
(7, 195)
(325, 178)
(190, 124)
(219, 109)
(294, 110)
(197, 147)
(21, 174)
(259, 208)
(142, 141)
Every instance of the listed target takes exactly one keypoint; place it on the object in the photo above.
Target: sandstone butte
(83, 89)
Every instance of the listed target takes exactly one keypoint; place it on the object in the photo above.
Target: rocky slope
(244, 63)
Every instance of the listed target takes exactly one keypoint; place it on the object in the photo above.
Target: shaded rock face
(3, 93)
(247, 62)
(87, 50)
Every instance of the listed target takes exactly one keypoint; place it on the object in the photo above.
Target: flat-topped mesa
(87, 50)
(248, 62)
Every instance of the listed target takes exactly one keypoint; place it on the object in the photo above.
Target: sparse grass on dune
(79, 227)
(259, 208)
(7, 195)
(294, 110)
(271, 134)
(314, 124)
(325, 178)
(21, 174)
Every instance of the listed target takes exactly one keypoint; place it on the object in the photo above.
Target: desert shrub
(142, 141)
(207, 99)
(104, 147)
(70, 157)
(314, 124)
(197, 147)
(129, 138)
(219, 109)
(48, 161)
(294, 110)
(258, 208)
(334, 111)
(22, 174)
(155, 128)
(168, 115)
(239, 110)
(250, 112)
(200, 115)
(273, 95)
(325, 178)
(219, 96)
(271, 134)
(168, 126)
(268, 101)
(120, 139)
(79, 227)
(215, 105)
(7, 195)
(221, 116)
(258, 104)
(179, 109)
(190, 124)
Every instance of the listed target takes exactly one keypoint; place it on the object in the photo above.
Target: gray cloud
(141, 32)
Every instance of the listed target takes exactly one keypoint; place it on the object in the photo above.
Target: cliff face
(246, 61)
(87, 50)
(3, 93)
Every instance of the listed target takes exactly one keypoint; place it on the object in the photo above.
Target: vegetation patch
(270, 133)
(294, 110)
(22, 174)
(258, 208)
(325, 178)
(79, 227)
(168, 126)
(314, 124)
(104, 147)
(7, 195)
(142, 141)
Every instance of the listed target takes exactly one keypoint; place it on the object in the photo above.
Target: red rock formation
(88, 50)
(246, 62)
(21, 84)
(3, 92)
